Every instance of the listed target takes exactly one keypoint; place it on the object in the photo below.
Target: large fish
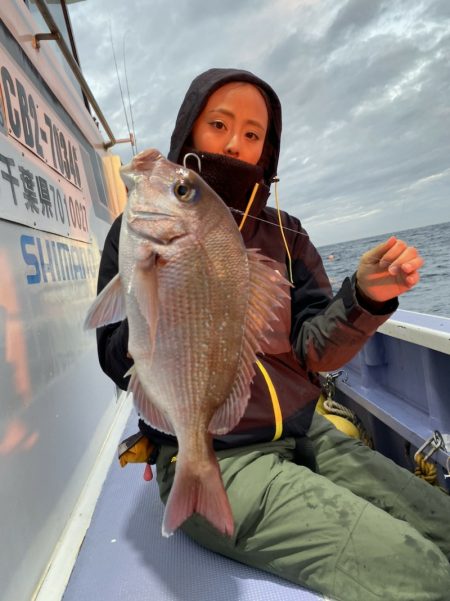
(199, 307)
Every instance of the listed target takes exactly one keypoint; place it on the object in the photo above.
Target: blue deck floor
(125, 557)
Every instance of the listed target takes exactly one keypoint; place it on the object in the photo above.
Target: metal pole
(56, 35)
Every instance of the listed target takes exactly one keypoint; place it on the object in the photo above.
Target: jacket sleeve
(328, 331)
(112, 340)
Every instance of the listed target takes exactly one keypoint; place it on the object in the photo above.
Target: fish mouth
(135, 219)
(148, 216)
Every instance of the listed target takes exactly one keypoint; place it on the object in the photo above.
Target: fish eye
(184, 191)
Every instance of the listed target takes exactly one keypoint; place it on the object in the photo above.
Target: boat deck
(124, 555)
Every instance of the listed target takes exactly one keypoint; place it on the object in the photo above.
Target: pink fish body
(199, 306)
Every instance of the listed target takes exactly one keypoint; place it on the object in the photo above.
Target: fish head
(166, 201)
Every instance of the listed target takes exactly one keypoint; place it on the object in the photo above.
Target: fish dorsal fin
(147, 410)
(267, 289)
(108, 307)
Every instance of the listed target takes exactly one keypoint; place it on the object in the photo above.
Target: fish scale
(176, 333)
(190, 374)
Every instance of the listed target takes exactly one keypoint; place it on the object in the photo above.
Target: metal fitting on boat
(330, 382)
(434, 443)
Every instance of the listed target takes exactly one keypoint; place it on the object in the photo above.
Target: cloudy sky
(364, 85)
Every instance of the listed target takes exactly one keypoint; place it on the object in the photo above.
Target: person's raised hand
(388, 270)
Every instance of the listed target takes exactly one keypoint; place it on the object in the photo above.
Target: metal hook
(435, 441)
(330, 382)
(192, 154)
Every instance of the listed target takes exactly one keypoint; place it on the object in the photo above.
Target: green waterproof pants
(362, 529)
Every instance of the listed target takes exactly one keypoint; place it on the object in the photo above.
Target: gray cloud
(354, 16)
(364, 86)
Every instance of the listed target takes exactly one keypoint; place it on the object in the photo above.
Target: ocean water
(432, 294)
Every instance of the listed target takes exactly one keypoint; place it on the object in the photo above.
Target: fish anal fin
(228, 415)
(197, 490)
(144, 406)
(108, 307)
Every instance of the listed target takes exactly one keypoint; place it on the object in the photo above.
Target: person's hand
(388, 270)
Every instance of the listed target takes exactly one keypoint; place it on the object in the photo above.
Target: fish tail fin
(198, 489)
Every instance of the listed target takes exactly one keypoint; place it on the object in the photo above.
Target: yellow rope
(249, 206)
(275, 401)
(247, 211)
(282, 232)
(425, 470)
(332, 407)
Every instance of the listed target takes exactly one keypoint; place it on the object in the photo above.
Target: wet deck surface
(125, 557)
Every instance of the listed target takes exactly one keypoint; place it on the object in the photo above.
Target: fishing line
(134, 143)
(289, 229)
(195, 155)
(276, 180)
(118, 79)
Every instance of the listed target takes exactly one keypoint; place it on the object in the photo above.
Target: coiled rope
(332, 407)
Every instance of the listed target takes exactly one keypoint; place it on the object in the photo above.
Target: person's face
(234, 122)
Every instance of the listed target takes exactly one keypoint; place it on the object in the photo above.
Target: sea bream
(199, 307)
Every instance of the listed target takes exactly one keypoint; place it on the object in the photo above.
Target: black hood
(195, 100)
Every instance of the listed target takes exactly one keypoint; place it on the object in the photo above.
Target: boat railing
(402, 378)
(56, 35)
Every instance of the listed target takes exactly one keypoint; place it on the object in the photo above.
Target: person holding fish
(218, 319)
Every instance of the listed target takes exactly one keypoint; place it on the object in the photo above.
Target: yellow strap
(275, 405)
(275, 401)
(249, 206)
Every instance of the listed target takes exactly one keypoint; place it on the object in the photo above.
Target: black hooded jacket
(316, 332)
(196, 98)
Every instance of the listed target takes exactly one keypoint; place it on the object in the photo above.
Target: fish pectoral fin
(147, 410)
(108, 307)
(131, 371)
(145, 282)
(267, 289)
(269, 293)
